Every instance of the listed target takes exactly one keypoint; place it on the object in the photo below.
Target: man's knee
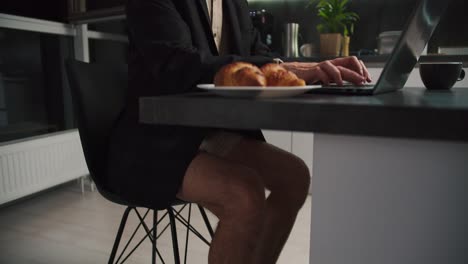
(297, 182)
(303, 175)
(301, 182)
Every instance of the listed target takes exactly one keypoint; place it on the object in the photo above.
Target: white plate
(256, 91)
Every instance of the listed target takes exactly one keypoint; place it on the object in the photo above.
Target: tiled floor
(64, 226)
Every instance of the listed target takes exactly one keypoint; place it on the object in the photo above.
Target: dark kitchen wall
(99, 4)
(55, 10)
(109, 52)
(376, 16)
(453, 29)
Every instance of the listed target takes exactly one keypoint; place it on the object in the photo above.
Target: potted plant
(336, 25)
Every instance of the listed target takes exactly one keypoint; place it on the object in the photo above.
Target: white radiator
(35, 164)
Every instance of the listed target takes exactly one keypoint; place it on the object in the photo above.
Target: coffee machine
(264, 22)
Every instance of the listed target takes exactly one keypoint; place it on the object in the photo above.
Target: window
(33, 84)
(35, 97)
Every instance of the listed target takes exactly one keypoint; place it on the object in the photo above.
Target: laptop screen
(417, 33)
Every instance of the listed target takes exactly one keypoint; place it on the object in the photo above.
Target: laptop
(404, 57)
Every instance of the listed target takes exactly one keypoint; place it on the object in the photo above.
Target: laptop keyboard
(350, 86)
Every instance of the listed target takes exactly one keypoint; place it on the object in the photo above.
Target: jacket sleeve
(163, 41)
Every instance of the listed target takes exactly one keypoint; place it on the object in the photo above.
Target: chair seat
(90, 86)
(117, 199)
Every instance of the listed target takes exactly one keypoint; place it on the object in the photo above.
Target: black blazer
(171, 50)
(173, 38)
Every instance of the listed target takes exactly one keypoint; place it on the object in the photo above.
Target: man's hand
(331, 71)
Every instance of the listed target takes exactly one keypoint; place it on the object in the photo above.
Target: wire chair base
(152, 234)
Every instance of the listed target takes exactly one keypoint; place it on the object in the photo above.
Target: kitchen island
(390, 172)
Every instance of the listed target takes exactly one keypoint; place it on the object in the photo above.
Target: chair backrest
(98, 95)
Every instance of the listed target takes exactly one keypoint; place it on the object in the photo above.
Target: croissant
(277, 75)
(240, 74)
(246, 74)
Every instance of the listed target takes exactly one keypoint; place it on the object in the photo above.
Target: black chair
(98, 95)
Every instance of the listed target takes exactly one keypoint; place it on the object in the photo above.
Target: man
(176, 44)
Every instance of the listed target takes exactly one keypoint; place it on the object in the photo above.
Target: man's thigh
(276, 167)
(214, 182)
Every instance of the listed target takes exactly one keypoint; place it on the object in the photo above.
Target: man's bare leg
(235, 194)
(287, 177)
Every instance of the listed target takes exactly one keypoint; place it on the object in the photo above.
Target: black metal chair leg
(207, 221)
(123, 222)
(175, 243)
(153, 233)
(155, 224)
(187, 233)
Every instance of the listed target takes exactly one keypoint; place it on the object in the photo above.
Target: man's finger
(366, 72)
(318, 75)
(351, 76)
(323, 77)
(351, 63)
(333, 72)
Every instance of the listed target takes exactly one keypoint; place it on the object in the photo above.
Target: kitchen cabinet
(280, 139)
(303, 147)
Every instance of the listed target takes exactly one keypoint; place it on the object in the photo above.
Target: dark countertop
(409, 113)
(378, 61)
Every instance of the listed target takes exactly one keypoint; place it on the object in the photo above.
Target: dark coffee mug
(441, 75)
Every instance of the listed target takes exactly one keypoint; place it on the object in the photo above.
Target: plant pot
(345, 46)
(330, 44)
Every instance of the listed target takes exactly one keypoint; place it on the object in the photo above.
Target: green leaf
(323, 14)
(321, 28)
(334, 16)
(343, 4)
